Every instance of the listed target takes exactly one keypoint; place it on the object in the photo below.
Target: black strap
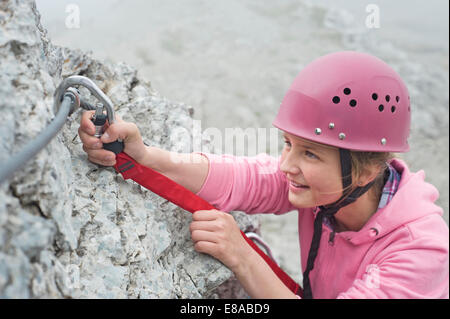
(315, 243)
(346, 167)
(330, 211)
(312, 254)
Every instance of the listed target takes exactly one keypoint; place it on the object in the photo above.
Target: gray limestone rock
(69, 228)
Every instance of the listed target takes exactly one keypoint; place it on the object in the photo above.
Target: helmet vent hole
(381, 107)
(388, 98)
(397, 98)
(336, 99)
(374, 96)
(352, 103)
(393, 108)
(347, 91)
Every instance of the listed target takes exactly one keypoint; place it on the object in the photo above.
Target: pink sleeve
(249, 184)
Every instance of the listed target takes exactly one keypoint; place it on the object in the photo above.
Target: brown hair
(363, 161)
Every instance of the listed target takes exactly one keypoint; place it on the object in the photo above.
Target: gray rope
(33, 147)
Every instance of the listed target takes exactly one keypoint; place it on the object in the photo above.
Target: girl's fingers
(121, 130)
(202, 225)
(205, 215)
(89, 141)
(86, 124)
(102, 157)
(205, 247)
(204, 235)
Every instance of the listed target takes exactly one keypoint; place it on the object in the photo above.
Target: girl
(368, 227)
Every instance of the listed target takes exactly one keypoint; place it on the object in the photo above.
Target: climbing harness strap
(184, 198)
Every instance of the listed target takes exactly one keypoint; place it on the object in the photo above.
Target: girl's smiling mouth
(297, 187)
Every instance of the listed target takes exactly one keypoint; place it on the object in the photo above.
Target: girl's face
(316, 166)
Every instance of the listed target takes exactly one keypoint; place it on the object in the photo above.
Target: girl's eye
(311, 155)
(307, 153)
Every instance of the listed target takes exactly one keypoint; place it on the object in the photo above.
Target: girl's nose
(289, 165)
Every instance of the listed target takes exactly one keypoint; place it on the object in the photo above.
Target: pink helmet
(350, 100)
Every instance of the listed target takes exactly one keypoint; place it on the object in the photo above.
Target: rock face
(69, 228)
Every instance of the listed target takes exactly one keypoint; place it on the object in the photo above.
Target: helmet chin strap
(346, 167)
(329, 211)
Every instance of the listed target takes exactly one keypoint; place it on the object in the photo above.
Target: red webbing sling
(184, 198)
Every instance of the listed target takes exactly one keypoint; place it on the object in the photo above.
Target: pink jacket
(401, 252)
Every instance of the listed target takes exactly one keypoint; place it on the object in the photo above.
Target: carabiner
(258, 239)
(67, 85)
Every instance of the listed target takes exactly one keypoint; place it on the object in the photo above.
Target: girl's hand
(93, 146)
(216, 233)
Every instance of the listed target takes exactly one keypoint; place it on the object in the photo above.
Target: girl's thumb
(108, 136)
